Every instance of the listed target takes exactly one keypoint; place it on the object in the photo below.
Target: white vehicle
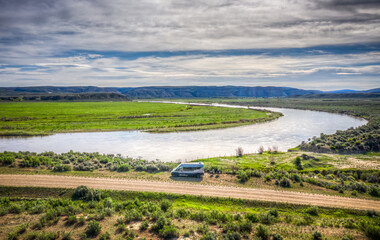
(195, 169)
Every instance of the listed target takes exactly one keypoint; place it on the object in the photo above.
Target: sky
(308, 44)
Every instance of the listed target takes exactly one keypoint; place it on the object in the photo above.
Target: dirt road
(187, 188)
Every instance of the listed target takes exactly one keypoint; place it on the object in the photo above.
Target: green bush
(93, 229)
(165, 205)
(87, 194)
(252, 217)
(262, 232)
(285, 183)
(317, 235)
(209, 236)
(62, 168)
(71, 220)
(372, 231)
(169, 232)
(144, 225)
(245, 226)
(298, 163)
(243, 176)
(373, 191)
(312, 211)
(66, 236)
(124, 168)
(276, 237)
(105, 236)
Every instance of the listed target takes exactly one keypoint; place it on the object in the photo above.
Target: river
(286, 132)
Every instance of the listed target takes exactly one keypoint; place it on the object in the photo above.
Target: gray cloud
(33, 32)
(52, 25)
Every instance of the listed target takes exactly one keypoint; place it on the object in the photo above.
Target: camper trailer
(195, 169)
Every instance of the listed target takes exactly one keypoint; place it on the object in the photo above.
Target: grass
(41, 118)
(55, 210)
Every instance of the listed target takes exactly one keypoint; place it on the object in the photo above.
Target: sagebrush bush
(93, 229)
(262, 232)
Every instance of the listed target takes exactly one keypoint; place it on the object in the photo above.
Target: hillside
(162, 92)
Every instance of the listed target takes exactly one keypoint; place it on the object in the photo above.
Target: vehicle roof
(192, 164)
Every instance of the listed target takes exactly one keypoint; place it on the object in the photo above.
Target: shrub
(373, 191)
(71, 219)
(93, 229)
(66, 236)
(108, 203)
(124, 168)
(372, 231)
(105, 236)
(239, 152)
(298, 163)
(317, 235)
(245, 226)
(231, 236)
(252, 217)
(62, 168)
(40, 208)
(169, 232)
(261, 150)
(82, 220)
(276, 237)
(87, 194)
(312, 211)
(160, 223)
(209, 236)
(262, 232)
(15, 208)
(203, 228)
(273, 212)
(285, 183)
(372, 213)
(243, 176)
(267, 218)
(165, 205)
(144, 225)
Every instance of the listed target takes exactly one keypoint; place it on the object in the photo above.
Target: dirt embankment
(192, 189)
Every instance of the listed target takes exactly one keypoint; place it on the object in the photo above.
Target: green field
(53, 213)
(40, 118)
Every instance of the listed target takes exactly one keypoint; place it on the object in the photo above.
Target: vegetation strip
(181, 188)
(56, 213)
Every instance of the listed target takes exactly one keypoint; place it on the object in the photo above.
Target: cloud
(42, 39)
(202, 69)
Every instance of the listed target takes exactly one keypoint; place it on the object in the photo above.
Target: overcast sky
(325, 45)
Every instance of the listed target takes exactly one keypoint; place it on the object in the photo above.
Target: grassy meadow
(40, 118)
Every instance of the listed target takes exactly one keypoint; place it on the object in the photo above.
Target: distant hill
(343, 95)
(87, 92)
(164, 92)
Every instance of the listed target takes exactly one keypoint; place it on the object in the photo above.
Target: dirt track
(187, 188)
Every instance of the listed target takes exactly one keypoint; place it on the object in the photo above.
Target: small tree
(261, 150)
(239, 152)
